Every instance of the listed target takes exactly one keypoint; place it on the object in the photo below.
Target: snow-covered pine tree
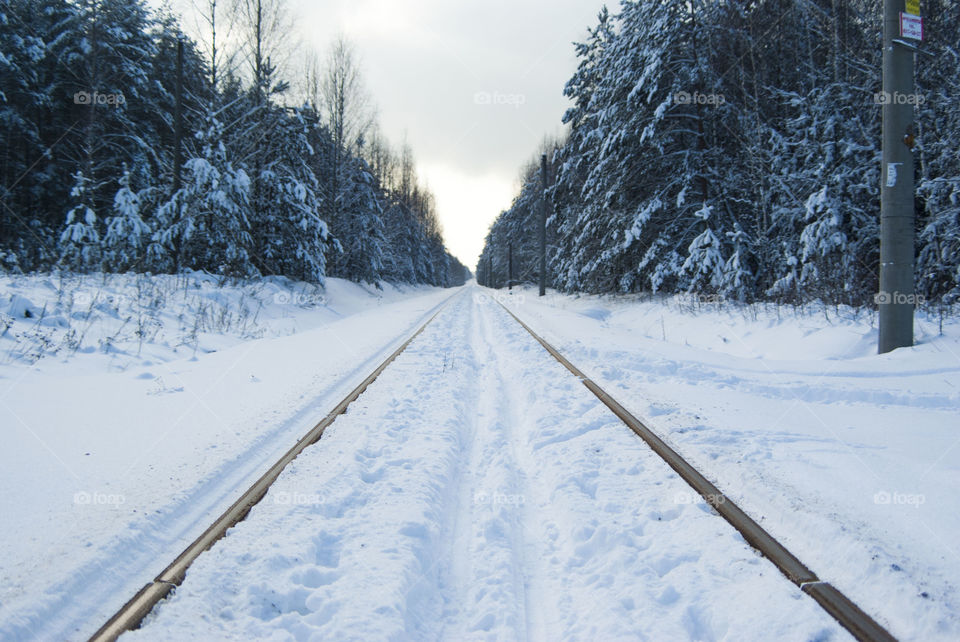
(126, 233)
(358, 224)
(291, 237)
(111, 67)
(938, 155)
(27, 236)
(822, 130)
(206, 224)
(80, 238)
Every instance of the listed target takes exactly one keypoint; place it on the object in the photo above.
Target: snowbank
(119, 321)
(136, 409)
(850, 458)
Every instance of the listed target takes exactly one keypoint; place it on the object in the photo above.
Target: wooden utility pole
(896, 298)
(543, 224)
(510, 266)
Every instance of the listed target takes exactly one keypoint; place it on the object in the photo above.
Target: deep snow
(476, 490)
(850, 458)
(117, 457)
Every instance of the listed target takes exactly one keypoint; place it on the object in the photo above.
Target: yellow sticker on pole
(913, 6)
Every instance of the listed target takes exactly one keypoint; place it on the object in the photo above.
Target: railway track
(132, 613)
(834, 602)
(843, 609)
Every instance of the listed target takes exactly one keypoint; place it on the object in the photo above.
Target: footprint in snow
(485, 623)
(326, 548)
(314, 577)
(656, 410)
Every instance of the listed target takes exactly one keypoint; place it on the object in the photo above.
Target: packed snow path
(478, 491)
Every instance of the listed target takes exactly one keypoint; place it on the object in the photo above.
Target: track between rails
(132, 613)
(834, 602)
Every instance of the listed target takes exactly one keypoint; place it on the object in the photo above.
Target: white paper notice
(892, 174)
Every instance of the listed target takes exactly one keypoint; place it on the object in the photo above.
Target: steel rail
(832, 600)
(132, 613)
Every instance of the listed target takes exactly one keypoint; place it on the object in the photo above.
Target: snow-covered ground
(117, 453)
(115, 322)
(850, 458)
(476, 490)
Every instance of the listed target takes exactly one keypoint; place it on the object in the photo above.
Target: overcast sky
(474, 86)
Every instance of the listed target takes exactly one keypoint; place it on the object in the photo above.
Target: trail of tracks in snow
(487, 570)
(478, 491)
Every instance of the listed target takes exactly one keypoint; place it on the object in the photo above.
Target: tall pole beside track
(896, 297)
(543, 224)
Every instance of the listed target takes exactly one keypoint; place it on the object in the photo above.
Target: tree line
(125, 145)
(732, 149)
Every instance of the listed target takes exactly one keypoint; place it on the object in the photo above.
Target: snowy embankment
(135, 409)
(850, 458)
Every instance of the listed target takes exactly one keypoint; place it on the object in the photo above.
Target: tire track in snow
(522, 501)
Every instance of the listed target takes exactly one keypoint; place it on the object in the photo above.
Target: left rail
(132, 613)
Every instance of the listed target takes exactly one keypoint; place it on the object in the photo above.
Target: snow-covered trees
(358, 223)
(938, 187)
(206, 224)
(89, 134)
(733, 149)
(126, 232)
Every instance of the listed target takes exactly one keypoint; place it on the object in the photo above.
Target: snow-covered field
(116, 322)
(118, 453)
(476, 490)
(850, 458)
(519, 508)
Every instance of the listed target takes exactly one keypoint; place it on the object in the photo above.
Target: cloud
(468, 202)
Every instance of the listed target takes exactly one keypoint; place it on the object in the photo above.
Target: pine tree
(206, 224)
(126, 233)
